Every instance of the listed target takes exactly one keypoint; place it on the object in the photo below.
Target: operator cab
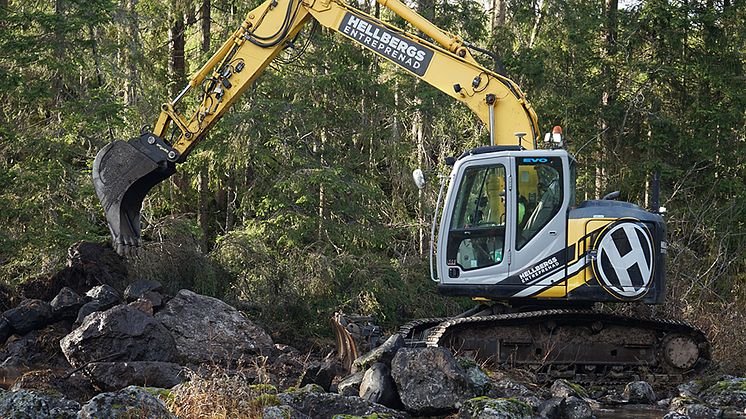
(509, 230)
(501, 212)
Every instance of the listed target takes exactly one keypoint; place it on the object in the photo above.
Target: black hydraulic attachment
(123, 174)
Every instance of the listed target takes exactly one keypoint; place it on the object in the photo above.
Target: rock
(6, 298)
(56, 383)
(564, 388)
(282, 412)
(694, 408)
(155, 298)
(107, 295)
(29, 315)
(143, 305)
(350, 385)
(577, 408)
(88, 265)
(676, 415)
(208, 330)
(430, 381)
(112, 376)
(89, 308)
(23, 404)
(690, 388)
(487, 408)
(66, 304)
(138, 289)
(506, 388)
(639, 392)
(321, 373)
(131, 402)
(121, 333)
(36, 348)
(288, 368)
(729, 392)
(480, 382)
(384, 353)
(5, 330)
(377, 386)
(326, 405)
(571, 407)
(551, 408)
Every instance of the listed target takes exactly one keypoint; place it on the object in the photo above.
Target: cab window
(539, 195)
(476, 235)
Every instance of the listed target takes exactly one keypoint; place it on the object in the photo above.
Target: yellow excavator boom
(124, 172)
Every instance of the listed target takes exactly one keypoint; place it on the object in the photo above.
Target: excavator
(510, 234)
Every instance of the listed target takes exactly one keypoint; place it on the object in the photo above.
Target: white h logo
(625, 275)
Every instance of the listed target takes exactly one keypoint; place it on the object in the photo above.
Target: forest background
(300, 202)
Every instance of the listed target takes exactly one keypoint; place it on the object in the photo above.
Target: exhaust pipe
(123, 174)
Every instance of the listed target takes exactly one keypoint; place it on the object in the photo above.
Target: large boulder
(570, 407)
(487, 408)
(209, 330)
(36, 348)
(564, 388)
(377, 386)
(350, 385)
(24, 404)
(131, 402)
(29, 315)
(88, 265)
(430, 381)
(313, 402)
(101, 298)
(5, 330)
(121, 333)
(321, 373)
(112, 376)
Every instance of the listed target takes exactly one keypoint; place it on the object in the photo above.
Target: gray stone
(694, 408)
(350, 385)
(143, 305)
(137, 289)
(690, 388)
(131, 402)
(318, 404)
(378, 386)
(154, 297)
(564, 388)
(282, 412)
(29, 315)
(676, 415)
(430, 381)
(66, 304)
(24, 404)
(209, 330)
(577, 408)
(728, 392)
(480, 382)
(121, 333)
(106, 294)
(565, 408)
(640, 392)
(487, 408)
(112, 376)
(384, 353)
(508, 388)
(50, 382)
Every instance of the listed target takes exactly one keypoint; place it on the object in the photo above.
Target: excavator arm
(125, 171)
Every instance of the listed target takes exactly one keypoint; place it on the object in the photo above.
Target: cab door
(475, 228)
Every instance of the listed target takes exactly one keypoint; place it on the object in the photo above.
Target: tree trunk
(177, 64)
(205, 15)
(203, 217)
(499, 9)
(606, 133)
(132, 77)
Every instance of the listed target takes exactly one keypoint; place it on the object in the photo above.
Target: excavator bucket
(123, 174)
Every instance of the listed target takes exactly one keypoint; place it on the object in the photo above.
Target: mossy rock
(263, 388)
(485, 407)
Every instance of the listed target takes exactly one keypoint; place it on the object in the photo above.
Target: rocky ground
(86, 344)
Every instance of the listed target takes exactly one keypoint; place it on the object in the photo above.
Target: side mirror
(419, 178)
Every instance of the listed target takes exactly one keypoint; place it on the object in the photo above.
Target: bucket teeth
(123, 174)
